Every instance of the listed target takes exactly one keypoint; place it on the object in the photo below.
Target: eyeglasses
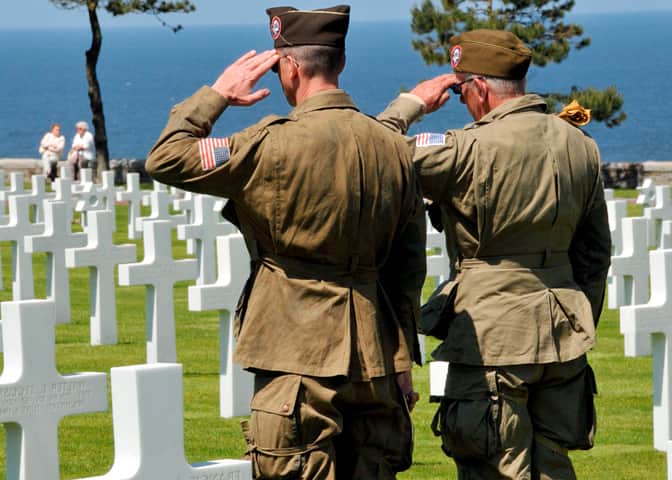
(276, 66)
(456, 88)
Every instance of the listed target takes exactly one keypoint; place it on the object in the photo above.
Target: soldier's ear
(341, 67)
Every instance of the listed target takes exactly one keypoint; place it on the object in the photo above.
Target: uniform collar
(529, 102)
(334, 98)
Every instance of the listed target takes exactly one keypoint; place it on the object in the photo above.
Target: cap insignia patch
(455, 56)
(276, 27)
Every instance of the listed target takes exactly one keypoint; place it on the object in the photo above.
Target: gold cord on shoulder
(575, 114)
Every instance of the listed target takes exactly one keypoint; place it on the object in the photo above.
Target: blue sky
(42, 13)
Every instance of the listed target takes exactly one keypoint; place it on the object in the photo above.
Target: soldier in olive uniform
(330, 207)
(522, 204)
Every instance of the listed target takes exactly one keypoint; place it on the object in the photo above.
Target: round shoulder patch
(455, 56)
(276, 27)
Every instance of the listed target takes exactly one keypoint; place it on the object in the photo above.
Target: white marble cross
(67, 173)
(438, 374)
(92, 197)
(204, 229)
(608, 194)
(63, 189)
(159, 272)
(655, 319)
(134, 196)
(16, 186)
(646, 193)
(101, 255)
(438, 264)
(34, 396)
(233, 267)
(160, 201)
(57, 236)
(147, 414)
(85, 178)
(616, 211)
(183, 201)
(38, 194)
(662, 210)
(632, 265)
(15, 231)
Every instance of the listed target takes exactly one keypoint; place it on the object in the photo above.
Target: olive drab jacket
(330, 207)
(526, 228)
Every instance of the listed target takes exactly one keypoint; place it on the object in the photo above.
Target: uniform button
(285, 407)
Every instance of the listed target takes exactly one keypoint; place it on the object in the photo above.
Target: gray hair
(83, 125)
(504, 87)
(316, 59)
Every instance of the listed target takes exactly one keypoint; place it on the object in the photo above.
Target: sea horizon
(145, 70)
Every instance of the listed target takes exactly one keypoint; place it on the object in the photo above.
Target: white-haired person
(83, 151)
(51, 150)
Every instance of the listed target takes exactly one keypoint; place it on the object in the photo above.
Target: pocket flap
(276, 394)
(438, 309)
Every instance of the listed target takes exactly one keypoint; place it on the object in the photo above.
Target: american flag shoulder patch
(214, 152)
(429, 139)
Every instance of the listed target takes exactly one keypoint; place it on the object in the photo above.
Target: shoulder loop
(272, 120)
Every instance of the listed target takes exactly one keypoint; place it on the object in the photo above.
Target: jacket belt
(346, 275)
(529, 260)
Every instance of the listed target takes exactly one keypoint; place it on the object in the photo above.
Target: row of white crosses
(158, 270)
(147, 446)
(646, 319)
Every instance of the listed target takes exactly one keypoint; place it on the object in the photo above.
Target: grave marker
(159, 272)
(57, 236)
(183, 201)
(147, 406)
(38, 194)
(646, 193)
(233, 266)
(15, 231)
(203, 231)
(655, 319)
(160, 200)
(662, 210)
(134, 196)
(34, 395)
(633, 268)
(616, 211)
(101, 255)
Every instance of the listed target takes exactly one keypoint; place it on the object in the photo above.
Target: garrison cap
(494, 53)
(291, 27)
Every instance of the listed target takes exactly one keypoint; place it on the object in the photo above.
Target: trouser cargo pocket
(469, 428)
(273, 437)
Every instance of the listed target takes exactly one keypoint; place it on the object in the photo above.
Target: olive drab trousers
(328, 428)
(517, 422)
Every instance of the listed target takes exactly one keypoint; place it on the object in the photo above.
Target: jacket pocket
(469, 428)
(438, 311)
(273, 435)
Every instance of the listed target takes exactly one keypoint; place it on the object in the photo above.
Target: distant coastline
(144, 71)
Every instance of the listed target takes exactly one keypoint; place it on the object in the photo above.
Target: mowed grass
(624, 443)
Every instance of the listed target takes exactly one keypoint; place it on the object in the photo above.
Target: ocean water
(144, 71)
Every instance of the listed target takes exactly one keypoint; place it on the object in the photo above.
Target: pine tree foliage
(539, 23)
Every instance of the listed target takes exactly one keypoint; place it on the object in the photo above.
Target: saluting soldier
(521, 200)
(330, 207)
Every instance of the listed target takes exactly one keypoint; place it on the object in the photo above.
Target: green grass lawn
(624, 443)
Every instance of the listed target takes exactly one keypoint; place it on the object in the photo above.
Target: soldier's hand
(434, 91)
(405, 381)
(237, 82)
